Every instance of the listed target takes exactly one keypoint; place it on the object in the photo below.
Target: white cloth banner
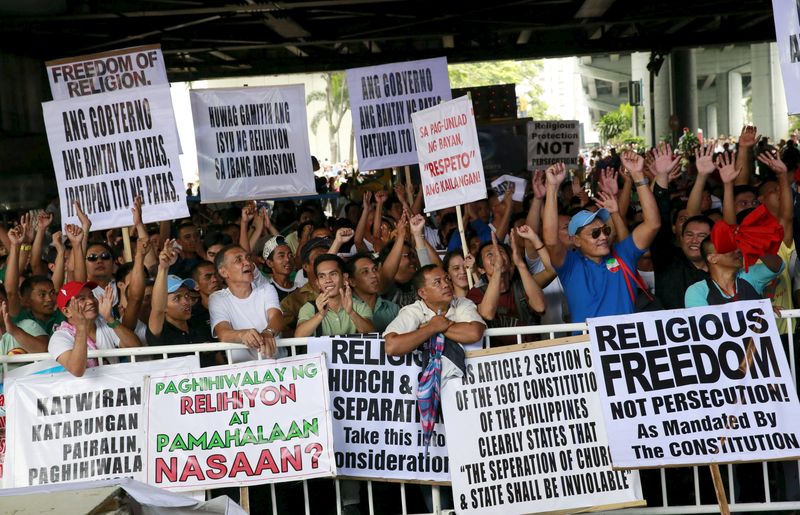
(382, 99)
(117, 70)
(450, 164)
(696, 386)
(376, 429)
(67, 429)
(236, 425)
(252, 143)
(553, 141)
(110, 147)
(526, 432)
(786, 14)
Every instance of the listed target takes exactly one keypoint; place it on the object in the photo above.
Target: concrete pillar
(730, 113)
(662, 100)
(710, 130)
(768, 99)
(684, 89)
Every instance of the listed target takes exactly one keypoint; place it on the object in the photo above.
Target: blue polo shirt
(599, 289)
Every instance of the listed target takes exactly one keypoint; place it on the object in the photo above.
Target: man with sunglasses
(597, 277)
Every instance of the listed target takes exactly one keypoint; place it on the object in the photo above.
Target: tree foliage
(492, 73)
(615, 127)
(336, 102)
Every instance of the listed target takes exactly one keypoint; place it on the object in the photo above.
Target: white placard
(382, 99)
(450, 164)
(117, 70)
(376, 428)
(251, 423)
(252, 143)
(525, 433)
(786, 14)
(553, 141)
(696, 386)
(64, 429)
(501, 184)
(108, 148)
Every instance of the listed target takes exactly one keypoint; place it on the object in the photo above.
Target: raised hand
(344, 234)
(704, 158)
(366, 198)
(776, 165)
(608, 181)
(607, 202)
(469, 261)
(168, 255)
(106, 303)
(136, 210)
(417, 224)
(74, 234)
(526, 233)
(516, 256)
(142, 246)
(16, 235)
(726, 164)
(632, 161)
(86, 223)
(749, 136)
(400, 191)
(539, 185)
(26, 222)
(57, 243)
(556, 174)
(264, 215)
(248, 213)
(381, 197)
(322, 303)
(43, 220)
(665, 160)
(509, 195)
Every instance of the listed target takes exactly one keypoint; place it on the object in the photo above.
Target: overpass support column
(684, 87)
(730, 114)
(769, 102)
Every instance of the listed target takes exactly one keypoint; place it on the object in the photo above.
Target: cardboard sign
(252, 143)
(117, 70)
(551, 142)
(696, 386)
(245, 424)
(382, 100)
(65, 429)
(525, 433)
(786, 14)
(450, 163)
(109, 147)
(376, 429)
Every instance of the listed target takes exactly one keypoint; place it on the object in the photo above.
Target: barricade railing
(541, 332)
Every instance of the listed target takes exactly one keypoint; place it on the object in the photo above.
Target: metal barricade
(437, 493)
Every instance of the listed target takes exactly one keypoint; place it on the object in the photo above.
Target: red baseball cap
(70, 290)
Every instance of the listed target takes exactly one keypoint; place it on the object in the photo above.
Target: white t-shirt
(249, 313)
(63, 340)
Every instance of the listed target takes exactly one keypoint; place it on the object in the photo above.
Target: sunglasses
(597, 230)
(105, 256)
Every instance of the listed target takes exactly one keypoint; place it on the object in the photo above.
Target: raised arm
(361, 227)
(104, 306)
(43, 221)
(58, 265)
(534, 217)
(76, 235)
(728, 172)
(423, 248)
(30, 343)
(645, 232)
(547, 275)
(135, 290)
(786, 208)
(501, 226)
(392, 262)
(158, 310)
(744, 154)
(342, 236)
(554, 177)
(248, 213)
(487, 308)
(533, 292)
(704, 161)
(86, 224)
(15, 237)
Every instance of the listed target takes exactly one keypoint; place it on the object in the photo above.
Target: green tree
(615, 127)
(337, 102)
(493, 73)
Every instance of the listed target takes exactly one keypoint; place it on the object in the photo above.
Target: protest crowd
(625, 231)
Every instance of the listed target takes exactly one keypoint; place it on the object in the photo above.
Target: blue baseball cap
(174, 283)
(584, 218)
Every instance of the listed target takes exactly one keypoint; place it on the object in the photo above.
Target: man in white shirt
(246, 311)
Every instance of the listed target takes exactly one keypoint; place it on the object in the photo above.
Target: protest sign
(382, 100)
(501, 184)
(104, 72)
(376, 428)
(110, 147)
(786, 14)
(553, 141)
(695, 386)
(65, 429)
(526, 435)
(450, 165)
(252, 143)
(236, 425)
